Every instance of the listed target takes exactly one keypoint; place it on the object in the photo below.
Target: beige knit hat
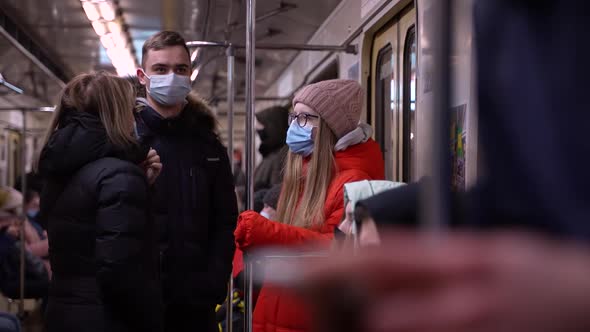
(10, 199)
(338, 102)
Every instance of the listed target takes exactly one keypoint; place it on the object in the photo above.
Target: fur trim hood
(196, 112)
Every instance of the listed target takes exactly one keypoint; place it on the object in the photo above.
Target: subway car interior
(463, 121)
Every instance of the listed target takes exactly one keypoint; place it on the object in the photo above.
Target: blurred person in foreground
(534, 116)
(96, 205)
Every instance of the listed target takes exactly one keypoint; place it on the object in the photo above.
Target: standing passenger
(95, 204)
(195, 203)
(272, 128)
(328, 148)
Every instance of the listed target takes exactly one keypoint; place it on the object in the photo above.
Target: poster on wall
(458, 146)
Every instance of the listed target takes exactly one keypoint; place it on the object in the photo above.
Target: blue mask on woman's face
(299, 139)
(32, 213)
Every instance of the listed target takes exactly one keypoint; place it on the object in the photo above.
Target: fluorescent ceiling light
(99, 28)
(119, 39)
(195, 55)
(107, 11)
(107, 41)
(91, 11)
(102, 14)
(194, 75)
(114, 27)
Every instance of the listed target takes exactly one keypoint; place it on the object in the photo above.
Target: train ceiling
(59, 32)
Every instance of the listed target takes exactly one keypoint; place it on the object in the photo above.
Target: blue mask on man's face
(170, 89)
(299, 139)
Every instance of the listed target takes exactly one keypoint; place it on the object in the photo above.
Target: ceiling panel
(62, 27)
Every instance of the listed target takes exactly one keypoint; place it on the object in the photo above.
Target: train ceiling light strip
(108, 23)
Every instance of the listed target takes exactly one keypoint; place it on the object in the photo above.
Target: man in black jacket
(194, 199)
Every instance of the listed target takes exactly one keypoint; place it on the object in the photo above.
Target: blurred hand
(13, 230)
(369, 235)
(152, 166)
(459, 283)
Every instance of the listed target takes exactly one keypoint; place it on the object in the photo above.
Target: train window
(409, 106)
(385, 91)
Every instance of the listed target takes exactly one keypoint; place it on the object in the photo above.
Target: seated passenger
(36, 275)
(328, 148)
(35, 236)
(9, 322)
(95, 203)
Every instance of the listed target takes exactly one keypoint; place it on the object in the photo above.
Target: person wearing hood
(328, 148)
(272, 128)
(194, 197)
(95, 204)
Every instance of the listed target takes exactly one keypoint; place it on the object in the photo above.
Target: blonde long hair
(112, 98)
(303, 196)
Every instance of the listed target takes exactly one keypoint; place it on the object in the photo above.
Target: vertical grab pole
(23, 151)
(438, 196)
(250, 102)
(229, 315)
(230, 52)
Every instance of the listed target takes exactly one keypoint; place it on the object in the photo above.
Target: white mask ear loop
(148, 77)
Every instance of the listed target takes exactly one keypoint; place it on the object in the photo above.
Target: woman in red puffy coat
(328, 148)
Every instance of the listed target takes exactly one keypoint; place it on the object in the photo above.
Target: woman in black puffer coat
(95, 205)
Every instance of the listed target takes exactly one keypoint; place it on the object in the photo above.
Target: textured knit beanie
(338, 102)
(10, 199)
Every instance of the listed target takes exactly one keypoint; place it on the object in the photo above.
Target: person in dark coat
(95, 203)
(194, 198)
(272, 129)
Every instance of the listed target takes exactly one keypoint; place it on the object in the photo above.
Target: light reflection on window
(410, 107)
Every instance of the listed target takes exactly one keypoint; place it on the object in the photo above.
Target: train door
(393, 94)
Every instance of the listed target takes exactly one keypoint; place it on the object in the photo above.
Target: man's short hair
(162, 40)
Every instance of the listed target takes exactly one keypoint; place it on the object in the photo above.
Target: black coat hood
(80, 139)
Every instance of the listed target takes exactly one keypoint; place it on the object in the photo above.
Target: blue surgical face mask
(168, 90)
(299, 139)
(32, 213)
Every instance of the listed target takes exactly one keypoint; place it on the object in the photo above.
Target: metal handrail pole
(229, 314)
(230, 143)
(250, 109)
(12, 87)
(23, 149)
(436, 198)
(347, 48)
(230, 100)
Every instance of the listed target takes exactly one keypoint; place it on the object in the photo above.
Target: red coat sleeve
(254, 230)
